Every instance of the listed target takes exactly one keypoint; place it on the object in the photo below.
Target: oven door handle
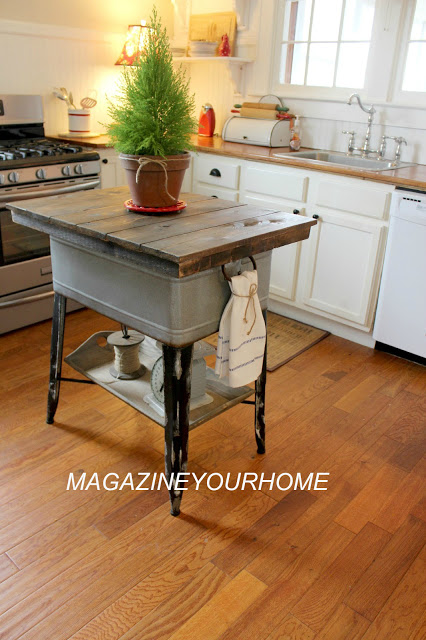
(24, 300)
(82, 186)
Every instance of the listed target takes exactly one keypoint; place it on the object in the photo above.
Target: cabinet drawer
(355, 197)
(277, 182)
(216, 192)
(217, 171)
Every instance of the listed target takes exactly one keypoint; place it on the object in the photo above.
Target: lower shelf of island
(94, 358)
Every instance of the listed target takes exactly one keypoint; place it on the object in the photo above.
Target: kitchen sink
(345, 160)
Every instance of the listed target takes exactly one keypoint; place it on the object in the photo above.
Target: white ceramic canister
(79, 120)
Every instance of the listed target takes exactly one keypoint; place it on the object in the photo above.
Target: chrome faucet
(365, 149)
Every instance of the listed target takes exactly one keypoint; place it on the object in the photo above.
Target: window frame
(385, 64)
(411, 98)
(305, 91)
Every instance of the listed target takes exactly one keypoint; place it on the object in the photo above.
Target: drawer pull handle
(296, 211)
(105, 160)
(214, 196)
(215, 173)
(315, 216)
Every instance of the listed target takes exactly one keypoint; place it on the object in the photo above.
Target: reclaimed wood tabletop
(208, 232)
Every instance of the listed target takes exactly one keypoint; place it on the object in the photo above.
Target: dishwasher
(400, 325)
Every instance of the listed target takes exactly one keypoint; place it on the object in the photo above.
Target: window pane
(352, 64)
(326, 21)
(303, 19)
(321, 65)
(416, 60)
(297, 17)
(293, 62)
(358, 20)
(418, 31)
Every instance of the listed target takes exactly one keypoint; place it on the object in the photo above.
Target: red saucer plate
(175, 207)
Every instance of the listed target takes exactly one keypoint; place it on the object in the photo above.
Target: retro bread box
(264, 133)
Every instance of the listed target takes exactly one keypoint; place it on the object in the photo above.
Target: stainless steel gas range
(32, 166)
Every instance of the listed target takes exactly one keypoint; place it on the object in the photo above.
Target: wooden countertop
(97, 142)
(210, 232)
(411, 177)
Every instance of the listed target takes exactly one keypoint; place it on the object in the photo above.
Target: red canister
(207, 121)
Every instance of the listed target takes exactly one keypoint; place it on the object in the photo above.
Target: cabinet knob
(315, 216)
(296, 211)
(215, 173)
(105, 160)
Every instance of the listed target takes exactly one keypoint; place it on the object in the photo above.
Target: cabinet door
(108, 170)
(112, 173)
(344, 262)
(216, 192)
(285, 260)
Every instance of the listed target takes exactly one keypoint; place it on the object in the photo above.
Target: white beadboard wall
(50, 44)
(49, 56)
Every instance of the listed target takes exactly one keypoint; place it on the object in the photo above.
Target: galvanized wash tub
(176, 311)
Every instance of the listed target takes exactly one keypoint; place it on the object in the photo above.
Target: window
(413, 79)
(325, 43)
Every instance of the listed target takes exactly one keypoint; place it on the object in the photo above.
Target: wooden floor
(96, 565)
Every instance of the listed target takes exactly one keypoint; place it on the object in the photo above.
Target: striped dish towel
(242, 333)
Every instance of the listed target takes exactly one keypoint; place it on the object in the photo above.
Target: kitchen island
(163, 276)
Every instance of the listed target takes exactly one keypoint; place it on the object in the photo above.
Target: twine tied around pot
(252, 292)
(162, 163)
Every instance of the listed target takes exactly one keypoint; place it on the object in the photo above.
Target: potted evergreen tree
(152, 122)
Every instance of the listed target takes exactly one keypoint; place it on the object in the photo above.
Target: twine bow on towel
(252, 292)
(162, 163)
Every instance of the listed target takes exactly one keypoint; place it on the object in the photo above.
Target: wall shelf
(211, 59)
(235, 67)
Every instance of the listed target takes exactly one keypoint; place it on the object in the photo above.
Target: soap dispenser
(295, 141)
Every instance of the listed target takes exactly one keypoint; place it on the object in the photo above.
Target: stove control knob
(41, 174)
(66, 170)
(78, 169)
(13, 176)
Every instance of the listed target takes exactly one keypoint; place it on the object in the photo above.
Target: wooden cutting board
(212, 26)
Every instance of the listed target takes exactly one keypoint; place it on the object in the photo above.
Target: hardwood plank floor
(343, 564)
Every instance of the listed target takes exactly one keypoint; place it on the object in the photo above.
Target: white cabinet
(285, 260)
(217, 171)
(216, 192)
(280, 182)
(216, 176)
(336, 273)
(343, 266)
(352, 195)
(112, 173)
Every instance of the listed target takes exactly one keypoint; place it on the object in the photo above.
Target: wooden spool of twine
(126, 365)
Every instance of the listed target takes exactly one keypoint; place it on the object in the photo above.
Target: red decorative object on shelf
(224, 47)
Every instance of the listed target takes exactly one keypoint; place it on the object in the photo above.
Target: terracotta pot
(150, 188)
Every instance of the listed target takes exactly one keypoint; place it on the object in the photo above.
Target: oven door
(25, 268)
(19, 243)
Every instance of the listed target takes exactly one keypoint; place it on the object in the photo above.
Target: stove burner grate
(36, 149)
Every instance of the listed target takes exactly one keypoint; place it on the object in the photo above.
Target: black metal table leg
(57, 344)
(177, 393)
(259, 410)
